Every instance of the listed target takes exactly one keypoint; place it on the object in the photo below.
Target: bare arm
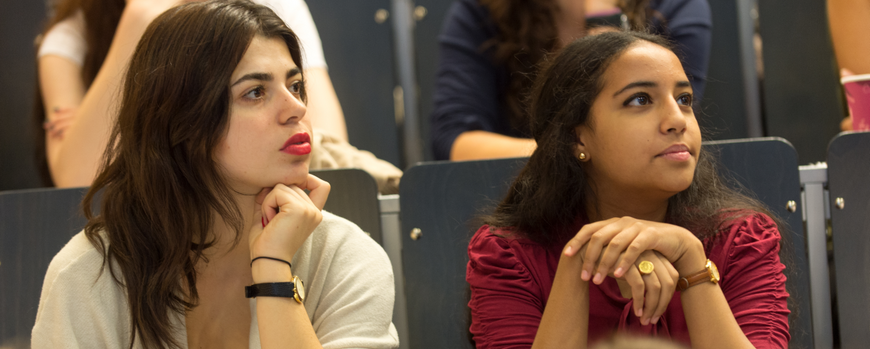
(323, 104)
(476, 145)
(850, 23)
(75, 157)
(567, 311)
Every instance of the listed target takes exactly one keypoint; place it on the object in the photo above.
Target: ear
(581, 134)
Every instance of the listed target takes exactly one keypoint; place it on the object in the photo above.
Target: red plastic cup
(858, 97)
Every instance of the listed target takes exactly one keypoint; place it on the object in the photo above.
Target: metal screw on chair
(840, 203)
(381, 16)
(791, 206)
(420, 13)
(416, 234)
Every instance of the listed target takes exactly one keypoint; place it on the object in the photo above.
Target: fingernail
(263, 220)
(655, 319)
(618, 272)
(568, 251)
(644, 322)
(638, 312)
(598, 278)
(584, 275)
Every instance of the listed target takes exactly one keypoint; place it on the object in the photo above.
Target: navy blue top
(468, 84)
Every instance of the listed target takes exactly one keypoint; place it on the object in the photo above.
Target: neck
(225, 235)
(606, 204)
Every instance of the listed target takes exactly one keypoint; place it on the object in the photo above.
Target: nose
(292, 108)
(674, 117)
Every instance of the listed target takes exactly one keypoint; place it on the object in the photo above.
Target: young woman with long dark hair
(490, 51)
(204, 234)
(618, 207)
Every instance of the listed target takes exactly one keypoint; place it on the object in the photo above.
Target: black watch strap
(272, 289)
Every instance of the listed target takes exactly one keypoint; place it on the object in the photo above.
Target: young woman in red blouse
(619, 219)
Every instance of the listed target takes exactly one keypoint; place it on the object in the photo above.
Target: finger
(642, 241)
(595, 248)
(636, 282)
(653, 295)
(262, 195)
(59, 126)
(668, 285)
(673, 276)
(319, 190)
(582, 236)
(615, 249)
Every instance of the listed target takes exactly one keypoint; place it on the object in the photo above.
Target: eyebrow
(265, 76)
(683, 83)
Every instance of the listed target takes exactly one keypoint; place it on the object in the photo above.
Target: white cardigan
(347, 275)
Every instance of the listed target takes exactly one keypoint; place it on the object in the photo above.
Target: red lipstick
(298, 144)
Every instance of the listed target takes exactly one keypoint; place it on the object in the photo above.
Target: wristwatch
(710, 273)
(294, 289)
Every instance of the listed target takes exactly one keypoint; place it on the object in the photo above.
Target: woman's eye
(256, 93)
(638, 100)
(296, 87)
(685, 99)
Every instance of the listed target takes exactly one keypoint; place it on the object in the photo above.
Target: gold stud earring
(582, 156)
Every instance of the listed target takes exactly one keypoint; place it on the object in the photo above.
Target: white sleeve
(66, 39)
(295, 14)
(355, 297)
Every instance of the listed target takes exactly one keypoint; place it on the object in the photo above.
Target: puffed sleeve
(753, 281)
(466, 82)
(507, 302)
(689, 25)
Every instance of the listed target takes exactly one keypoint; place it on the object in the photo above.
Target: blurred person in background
(850, 24)
(490, 51)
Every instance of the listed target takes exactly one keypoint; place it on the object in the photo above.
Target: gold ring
(646, 267)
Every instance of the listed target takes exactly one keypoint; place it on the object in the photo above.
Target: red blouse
(511, 278)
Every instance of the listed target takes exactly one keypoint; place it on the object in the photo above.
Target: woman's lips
(298, 144)
(676, 152)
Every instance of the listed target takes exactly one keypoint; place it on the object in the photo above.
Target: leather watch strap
(692, 280)
(272, 289)
(709, 274)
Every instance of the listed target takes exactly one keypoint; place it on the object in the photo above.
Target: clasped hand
(285, 216)
(615, 247)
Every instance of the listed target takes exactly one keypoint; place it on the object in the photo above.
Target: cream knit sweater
(348, 279)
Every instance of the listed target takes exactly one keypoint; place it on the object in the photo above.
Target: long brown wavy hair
(101, 20)
(526, 35)
(160, 187)
(553, 189)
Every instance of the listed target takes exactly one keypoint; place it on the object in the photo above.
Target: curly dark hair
(527, 34)
(553, 188)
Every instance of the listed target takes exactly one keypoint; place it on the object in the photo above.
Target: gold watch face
(714, 272)
(299, 288)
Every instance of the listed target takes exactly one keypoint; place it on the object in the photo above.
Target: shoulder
(749, 227)
(66, 39)
(469, 16)
(747, 238)
(76, 286)
(678, 12)
(493, 249)
(78, 257)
